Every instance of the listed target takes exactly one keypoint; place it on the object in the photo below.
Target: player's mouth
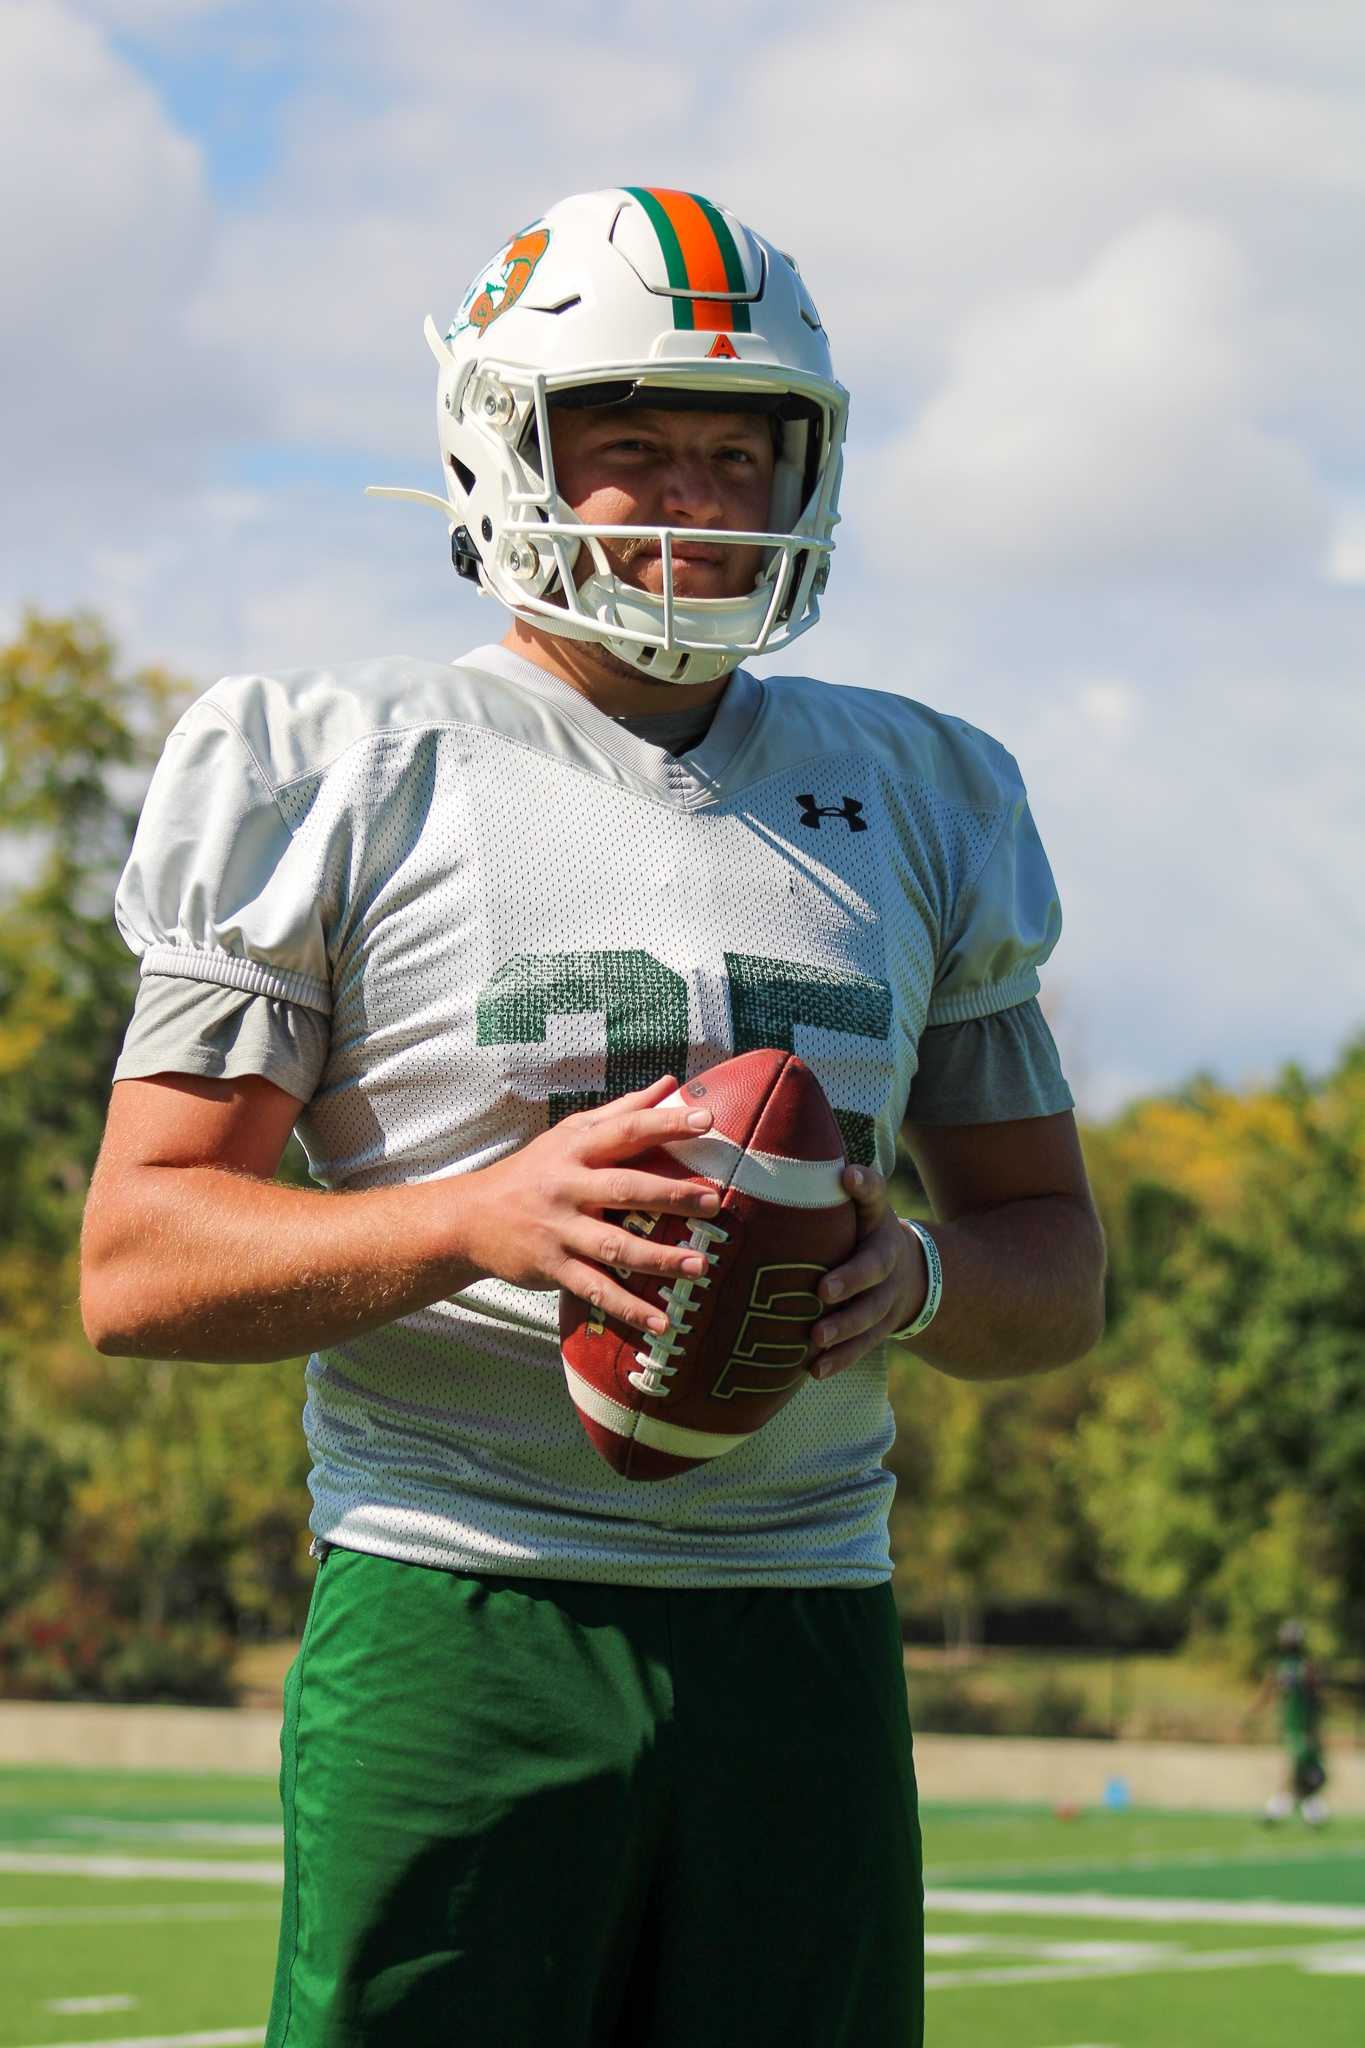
(642, 550)
(700, 568)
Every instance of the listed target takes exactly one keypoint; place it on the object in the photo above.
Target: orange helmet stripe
(701, 252)
(701, 256)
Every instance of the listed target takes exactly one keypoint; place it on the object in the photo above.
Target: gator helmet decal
(497, 293)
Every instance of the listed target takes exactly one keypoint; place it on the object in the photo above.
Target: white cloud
(1110, 424)
(1090, 270)
(106, 226)
(147, 16)
(1109, 707)
(1345, 558)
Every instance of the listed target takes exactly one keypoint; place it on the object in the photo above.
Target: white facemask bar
(771, 587)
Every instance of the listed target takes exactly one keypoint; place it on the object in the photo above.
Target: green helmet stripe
(674, 261)
(698, 251)
(725, 242)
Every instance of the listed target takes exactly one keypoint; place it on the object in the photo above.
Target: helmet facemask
(533, 560)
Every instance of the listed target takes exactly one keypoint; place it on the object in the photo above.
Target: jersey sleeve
(183, 1026)
(989, 1070)
(1005, 918)
(216, 889)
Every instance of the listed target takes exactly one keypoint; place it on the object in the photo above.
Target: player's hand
(881, 1288)
(536, 1219)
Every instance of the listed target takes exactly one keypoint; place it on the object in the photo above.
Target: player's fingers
(870, 1193)
(861, 1320)
(644, 1098)
(607, 1295)
(588, 1124)
(827, 1365)
(625, 1252)
(623, 1187)
(873, 1262)
(622, 1133)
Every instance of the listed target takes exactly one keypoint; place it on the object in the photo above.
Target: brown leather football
(738, 1341)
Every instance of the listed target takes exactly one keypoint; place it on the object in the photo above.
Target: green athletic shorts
(530, 1813)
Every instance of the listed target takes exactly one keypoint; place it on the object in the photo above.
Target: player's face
(626, 466)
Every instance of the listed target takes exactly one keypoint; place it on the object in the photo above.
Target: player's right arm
(192, 1248)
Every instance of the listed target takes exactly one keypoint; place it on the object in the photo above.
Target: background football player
(1294, 1684)
(566, 1758)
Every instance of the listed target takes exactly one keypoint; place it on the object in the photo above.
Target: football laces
(656, 1358)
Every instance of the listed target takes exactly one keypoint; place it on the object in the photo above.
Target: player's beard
(621, 555)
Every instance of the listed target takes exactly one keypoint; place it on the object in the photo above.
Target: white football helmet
(659, 297)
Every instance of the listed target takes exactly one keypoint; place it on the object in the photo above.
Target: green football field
(140, 1910)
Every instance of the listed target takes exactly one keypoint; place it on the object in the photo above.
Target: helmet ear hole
(465, 475)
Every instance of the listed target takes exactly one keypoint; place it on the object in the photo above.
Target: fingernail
(694, 1265)
(709, 1204)
(833, 1290)
(855, 1174)
(699, 1118)
(658, 1324)
(820, 1370)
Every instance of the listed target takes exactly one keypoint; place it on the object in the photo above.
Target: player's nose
(691, 494)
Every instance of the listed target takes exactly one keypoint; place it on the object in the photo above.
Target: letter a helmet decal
(723, 346)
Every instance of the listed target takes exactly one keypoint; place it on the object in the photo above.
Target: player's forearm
(1023, 1290)
(202, 1263)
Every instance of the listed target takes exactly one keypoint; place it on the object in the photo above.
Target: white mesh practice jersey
(509, 907)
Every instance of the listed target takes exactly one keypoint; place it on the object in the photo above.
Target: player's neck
(613, 686)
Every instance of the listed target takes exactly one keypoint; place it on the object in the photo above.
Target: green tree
(1224, 1461)
(149, 1497)
(77, 736)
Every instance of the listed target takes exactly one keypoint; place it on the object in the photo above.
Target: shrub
(68, 1644)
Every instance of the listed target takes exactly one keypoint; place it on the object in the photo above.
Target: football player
(566, 1758)
(1295, 1683)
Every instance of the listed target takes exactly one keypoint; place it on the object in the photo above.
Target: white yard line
(1339, 1962)
(1049, 1951)
(15, 1862)
(110, 2001)
(239, 1834)
(222, 2037)
(131, 1916)
(1197, 1959)
(1101, 1906)
(1156, 1859)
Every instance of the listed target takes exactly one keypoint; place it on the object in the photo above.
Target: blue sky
(230, 93)
(1090, 272)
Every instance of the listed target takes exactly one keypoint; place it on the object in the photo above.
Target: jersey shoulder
(960, 763)
(301, 721)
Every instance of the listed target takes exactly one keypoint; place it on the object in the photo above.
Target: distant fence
(1202, 1777)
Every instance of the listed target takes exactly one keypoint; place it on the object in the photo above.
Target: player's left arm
(1021, 1246)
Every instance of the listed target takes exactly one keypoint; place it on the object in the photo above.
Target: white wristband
(934, 1265)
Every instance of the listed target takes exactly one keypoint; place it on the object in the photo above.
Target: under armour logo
(850, 810)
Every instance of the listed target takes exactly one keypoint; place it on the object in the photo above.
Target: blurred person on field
(1295, 1682)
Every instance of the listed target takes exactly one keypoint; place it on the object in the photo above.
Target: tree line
(1198, 1478)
